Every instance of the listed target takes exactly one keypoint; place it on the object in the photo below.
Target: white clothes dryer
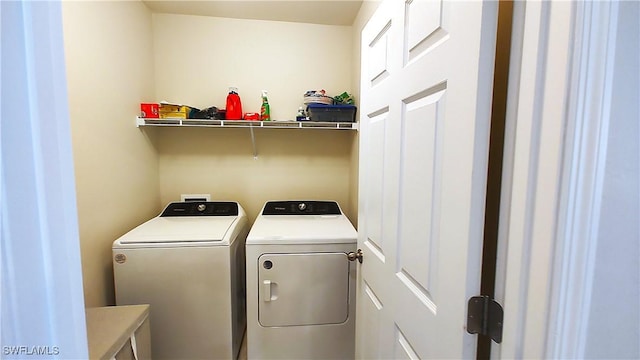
(189, 265)
(300, 282)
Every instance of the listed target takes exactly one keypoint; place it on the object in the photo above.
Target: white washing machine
(300, 282)
(189, 265)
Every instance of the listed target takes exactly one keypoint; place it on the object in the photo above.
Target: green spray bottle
(265, 112)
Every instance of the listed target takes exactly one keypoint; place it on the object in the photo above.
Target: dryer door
(303, 289)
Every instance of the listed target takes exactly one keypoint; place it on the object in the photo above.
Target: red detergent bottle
(234, 105)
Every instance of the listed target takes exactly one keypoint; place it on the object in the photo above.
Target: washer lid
(180, 229)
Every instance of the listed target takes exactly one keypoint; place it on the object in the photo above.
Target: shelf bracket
(253, 144)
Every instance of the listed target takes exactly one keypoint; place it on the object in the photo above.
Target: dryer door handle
(266, 287)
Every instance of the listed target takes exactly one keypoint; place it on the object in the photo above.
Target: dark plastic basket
(332, 113)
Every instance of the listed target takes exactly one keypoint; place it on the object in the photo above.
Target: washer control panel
(201, 208)
(301, 208)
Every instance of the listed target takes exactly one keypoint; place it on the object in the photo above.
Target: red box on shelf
(251, 116)
(149, 111)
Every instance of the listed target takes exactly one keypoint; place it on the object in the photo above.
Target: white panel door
(427, 71)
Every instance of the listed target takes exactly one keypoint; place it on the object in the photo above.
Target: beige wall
(108, 47)
(197, 58)
(193, 67)
(291, 164)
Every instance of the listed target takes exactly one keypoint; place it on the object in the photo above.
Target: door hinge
(485, 316)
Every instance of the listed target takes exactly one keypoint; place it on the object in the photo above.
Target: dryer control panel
(301, 208)
(201, 208)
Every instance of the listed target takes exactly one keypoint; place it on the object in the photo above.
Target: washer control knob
(302, 206)
(201, 207)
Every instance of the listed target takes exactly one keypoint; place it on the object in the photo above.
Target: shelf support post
(253, 143)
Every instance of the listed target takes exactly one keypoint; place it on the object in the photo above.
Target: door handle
(352, 256)
(266, 286)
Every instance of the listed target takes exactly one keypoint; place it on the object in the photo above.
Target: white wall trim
(553, 177)
(534, 144)
(584, 167)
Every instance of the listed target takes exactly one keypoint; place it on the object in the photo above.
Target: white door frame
(583, 173)
(555, 148)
